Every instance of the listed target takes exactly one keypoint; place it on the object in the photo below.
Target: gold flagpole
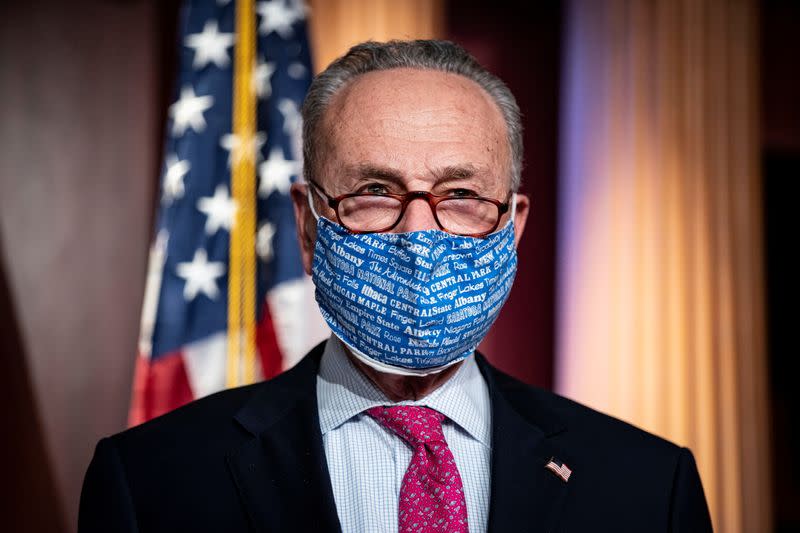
(241, 364)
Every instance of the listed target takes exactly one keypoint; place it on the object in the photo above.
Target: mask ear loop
(310, 201)
(513, 213)
(513, 206)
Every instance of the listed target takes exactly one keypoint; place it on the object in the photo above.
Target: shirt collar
(344, 392)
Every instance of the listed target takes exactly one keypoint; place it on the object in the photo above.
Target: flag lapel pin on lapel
(559, 469)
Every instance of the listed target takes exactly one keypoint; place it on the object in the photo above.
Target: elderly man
(408, 223)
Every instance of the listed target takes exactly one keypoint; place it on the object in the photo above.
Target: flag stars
(243, 149)
(200, 276)
(297, 71)
(292, 120)
(210, 46)
(188, 111)
(278, 17)
(264, 241)
(219, 209)
(173, 187)
(300, 9)
(276, 173)
(262, 78)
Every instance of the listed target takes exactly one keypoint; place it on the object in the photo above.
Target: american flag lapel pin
(559, 469)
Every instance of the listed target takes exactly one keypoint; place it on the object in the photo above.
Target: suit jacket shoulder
(194, 468)
(557, 413)
(621, 478)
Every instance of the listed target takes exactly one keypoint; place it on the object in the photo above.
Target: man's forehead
(448, 123)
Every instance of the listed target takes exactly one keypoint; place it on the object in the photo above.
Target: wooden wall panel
(79, 138)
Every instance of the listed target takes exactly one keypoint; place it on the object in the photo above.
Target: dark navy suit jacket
(252, 459)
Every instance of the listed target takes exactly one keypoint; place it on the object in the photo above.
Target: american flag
(559, 469)
(183, 340)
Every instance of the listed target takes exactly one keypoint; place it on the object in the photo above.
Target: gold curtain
(661, 312)
(336, 25)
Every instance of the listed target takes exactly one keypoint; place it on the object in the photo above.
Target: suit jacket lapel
(525, 495)
(281, 472)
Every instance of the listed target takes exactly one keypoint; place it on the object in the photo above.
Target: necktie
(431, 495)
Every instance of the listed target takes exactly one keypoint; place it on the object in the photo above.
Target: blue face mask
(411, 303)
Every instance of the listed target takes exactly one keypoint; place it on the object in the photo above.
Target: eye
(462, 193)
(374, 188)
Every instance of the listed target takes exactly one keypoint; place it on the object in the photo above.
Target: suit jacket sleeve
(106, 503)
(689, 510)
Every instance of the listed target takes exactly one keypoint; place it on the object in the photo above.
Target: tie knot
(414, 424)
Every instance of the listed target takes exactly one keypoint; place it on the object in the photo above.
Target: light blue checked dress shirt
(367, 462)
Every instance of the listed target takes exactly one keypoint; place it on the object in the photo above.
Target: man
(408, 224)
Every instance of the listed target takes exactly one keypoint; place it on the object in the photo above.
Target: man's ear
(521, 216)
(306, 224)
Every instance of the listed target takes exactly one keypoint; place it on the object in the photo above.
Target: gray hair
(371, 56)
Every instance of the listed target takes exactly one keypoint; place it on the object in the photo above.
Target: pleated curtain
(661, 283)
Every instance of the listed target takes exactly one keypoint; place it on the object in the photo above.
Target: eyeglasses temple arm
(322, 194)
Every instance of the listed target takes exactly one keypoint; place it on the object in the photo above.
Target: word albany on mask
(411, 303)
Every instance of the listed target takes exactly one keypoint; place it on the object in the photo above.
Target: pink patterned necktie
(431, 495)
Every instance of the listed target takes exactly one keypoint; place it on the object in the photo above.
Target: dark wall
(780, 92)
(520, 42)
(780, 75)
(28, 475)
(79, 137)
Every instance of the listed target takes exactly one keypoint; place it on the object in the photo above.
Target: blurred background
(662, 154)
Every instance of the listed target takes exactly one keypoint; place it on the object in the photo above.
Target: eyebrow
(456, 172)
(366, 170)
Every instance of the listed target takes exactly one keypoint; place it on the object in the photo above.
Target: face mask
(411, 303)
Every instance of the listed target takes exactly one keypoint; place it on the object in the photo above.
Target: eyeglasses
(469, 216)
